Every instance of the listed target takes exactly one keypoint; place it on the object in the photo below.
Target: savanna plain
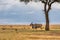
(25, 32)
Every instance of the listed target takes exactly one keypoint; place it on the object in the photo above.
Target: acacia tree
(47, 8)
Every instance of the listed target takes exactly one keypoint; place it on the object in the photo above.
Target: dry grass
(25, 32)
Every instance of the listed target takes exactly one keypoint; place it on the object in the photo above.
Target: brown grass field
(25, 32)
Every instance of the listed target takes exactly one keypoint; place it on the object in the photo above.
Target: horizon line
(29, 24)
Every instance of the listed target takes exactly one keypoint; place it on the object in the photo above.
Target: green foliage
(50, 1)
(43, 1)
(57, 0)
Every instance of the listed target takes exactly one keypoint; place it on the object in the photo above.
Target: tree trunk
(46, 16)
(47, 21)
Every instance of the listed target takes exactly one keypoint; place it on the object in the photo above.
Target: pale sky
(15, 12)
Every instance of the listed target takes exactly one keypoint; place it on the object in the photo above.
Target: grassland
(25, 32)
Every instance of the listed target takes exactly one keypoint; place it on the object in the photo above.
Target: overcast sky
(15, 12)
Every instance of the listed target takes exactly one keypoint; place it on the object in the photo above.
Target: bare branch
(52, 2)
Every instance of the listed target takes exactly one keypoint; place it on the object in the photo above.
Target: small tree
(46, 9)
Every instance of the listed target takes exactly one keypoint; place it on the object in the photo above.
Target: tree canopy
(43, 1)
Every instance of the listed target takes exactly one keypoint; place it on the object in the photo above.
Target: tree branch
(43, 1)
(52, 2)
(49, 5)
